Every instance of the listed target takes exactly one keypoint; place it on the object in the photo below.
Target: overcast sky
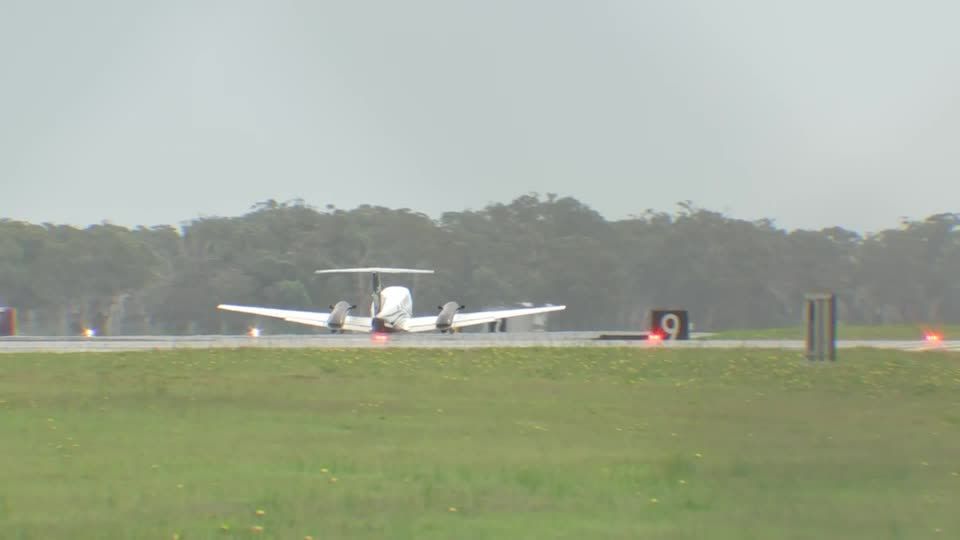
(814, 113)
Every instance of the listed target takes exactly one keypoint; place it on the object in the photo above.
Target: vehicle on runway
(391, 310)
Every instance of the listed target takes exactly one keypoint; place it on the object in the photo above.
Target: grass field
(498, 443)
(844, 331)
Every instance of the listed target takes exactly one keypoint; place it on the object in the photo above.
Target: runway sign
(670, 323)
(8, 321)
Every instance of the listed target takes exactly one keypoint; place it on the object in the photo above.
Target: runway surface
(471, 340)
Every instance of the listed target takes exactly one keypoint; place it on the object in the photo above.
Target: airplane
(391, 310)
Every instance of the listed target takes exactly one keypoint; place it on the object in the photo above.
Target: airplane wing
(460, 320)
(309, 318)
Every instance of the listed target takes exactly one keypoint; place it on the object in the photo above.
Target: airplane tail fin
(375, 272)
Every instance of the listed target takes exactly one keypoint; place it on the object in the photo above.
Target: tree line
(729, 273)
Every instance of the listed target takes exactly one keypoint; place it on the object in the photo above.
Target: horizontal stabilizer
(375, 270)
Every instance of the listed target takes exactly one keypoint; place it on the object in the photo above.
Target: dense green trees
(727, 272)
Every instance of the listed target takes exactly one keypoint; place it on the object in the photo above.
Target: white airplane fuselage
(394, 308)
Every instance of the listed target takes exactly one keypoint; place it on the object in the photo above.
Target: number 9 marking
(670, 324)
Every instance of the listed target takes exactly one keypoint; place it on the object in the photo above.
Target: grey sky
(813, 113)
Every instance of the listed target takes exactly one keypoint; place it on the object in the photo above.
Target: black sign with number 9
(670, 323)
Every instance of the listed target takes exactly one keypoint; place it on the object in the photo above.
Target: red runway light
(380, 337)
(932, 337)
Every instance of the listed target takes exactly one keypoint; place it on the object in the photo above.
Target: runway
(458, 341)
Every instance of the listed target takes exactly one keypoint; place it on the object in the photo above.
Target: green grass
(521, 443)
(855, 332)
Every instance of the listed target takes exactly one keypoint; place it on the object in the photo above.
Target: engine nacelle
(445, 318)
(338, 315)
